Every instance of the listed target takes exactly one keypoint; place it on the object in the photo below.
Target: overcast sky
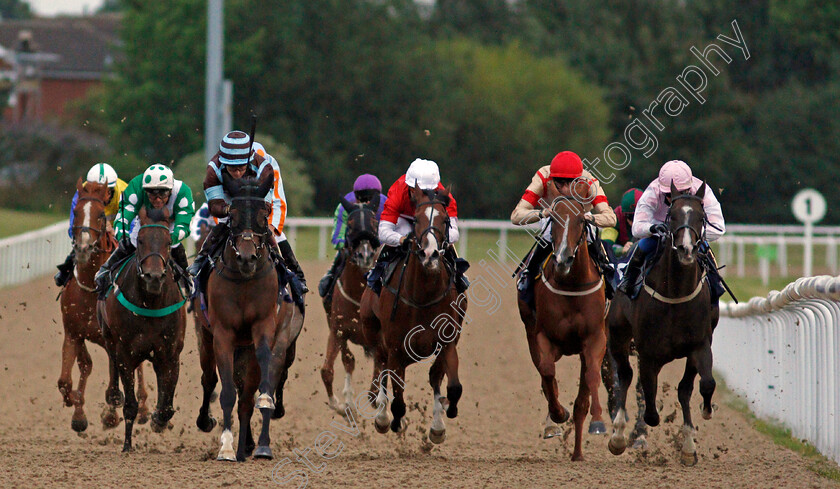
(53, 7)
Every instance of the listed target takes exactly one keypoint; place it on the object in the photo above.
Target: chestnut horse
(569, 315)
(671, 319)
(93, 243)
(242, 309)
(143, 318)
(343, 308)
(418, 318)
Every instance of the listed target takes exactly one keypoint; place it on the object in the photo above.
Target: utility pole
(215, 92)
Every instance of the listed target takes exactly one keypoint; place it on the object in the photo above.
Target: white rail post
(831, 254)
(291, 235)
(783, 263)
(503, 244)
(322, 242)
(741, 256)
(462, 243)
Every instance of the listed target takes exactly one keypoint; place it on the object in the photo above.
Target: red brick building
(47, 63)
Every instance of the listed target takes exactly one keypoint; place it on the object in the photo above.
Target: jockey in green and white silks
(154, 189)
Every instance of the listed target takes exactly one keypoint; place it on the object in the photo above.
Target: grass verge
(782, 436)
(14, 222)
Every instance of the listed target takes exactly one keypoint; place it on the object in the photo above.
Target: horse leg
(246, 410)
(262, 344)
(381, 421)
(130, 407)
(328, 371)
(65, 380)
(113, 397)
(279, 408)
(437, 431)
(580, 408)
(621, 354)
(453, 385)
(278, 371)
(639, 434)
(167, 369)
(142, 396)
(544, 355)
(79, 422)
(609, 377)
(349, 362)
(209, 379)
(703, 361)
(688, 452)
(593, 353)
(223, 350)
(398, 408)
(648, 376)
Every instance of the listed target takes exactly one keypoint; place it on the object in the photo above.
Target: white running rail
(34, 254)
(782, 353)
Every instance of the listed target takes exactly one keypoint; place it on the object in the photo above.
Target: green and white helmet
(158, 176)
(102, 173)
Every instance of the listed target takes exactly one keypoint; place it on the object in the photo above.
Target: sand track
(495, 441)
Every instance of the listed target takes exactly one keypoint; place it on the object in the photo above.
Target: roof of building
(67, 47)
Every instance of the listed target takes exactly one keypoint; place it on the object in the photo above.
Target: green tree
(14, 9)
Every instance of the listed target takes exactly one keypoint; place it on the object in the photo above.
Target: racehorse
(343, 306)
(248, 348)
(93, 244)
(143, 318)
(569, 315)
(417, 318)
(671, 319)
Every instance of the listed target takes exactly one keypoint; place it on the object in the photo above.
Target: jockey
(619, 239)
(365, 188)
(233, 161)
(397, 221)
(651, 212)
(156, 188)
(99, 173)
(565, 168)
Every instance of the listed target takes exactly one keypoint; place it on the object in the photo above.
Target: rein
(100, 232)
(417, 305)
(142, 311)
(345, 294)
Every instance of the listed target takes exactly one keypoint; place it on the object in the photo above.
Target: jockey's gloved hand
(659, 229)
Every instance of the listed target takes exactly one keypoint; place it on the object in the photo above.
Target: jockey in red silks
(649, 223)
(397, 221)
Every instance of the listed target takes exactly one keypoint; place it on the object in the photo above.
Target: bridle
(153, 253)
(99, 231)
(248, 234)
(701, 234)
(444, 233)
(554, 219)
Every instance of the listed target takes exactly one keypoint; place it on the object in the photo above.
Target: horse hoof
(265, 402)
(551, 432)
(206, 425)
(79, 425)
(399, 427)
(127, 449)
(158, 428)
(706, 413)
(688, 459)
(437, 437)
(142, 417)
(110, 419)
(652, 419)
(640, 444)
(381, 428)
(278, 412)
(577, 457)
(617, 445)
(226, 456)
(452, 411)
(597, 428)
(263, 452)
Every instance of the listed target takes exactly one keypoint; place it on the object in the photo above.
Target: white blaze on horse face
(564, 242)
(686, 237)
(430, 240)
(84, 237)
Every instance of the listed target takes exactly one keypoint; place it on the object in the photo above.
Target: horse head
(249, 213)
(89, 221)
(362, 231)
(568, 223)
(431, 225)
(153, 244)
(686, 223)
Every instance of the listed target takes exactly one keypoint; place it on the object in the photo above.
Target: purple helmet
(367, 182)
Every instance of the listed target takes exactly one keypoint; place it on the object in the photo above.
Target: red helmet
(566, 165)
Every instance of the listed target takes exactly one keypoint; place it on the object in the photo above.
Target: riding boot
(65, 269)
(374, 276)
(630, 284)
(459, 266)
(103, 276)
(292, 263)
(179, 256)
(715, 281)
(326, 284)
(532, 269)
(203, 256)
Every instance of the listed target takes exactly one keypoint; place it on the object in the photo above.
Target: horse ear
(231, 185)
(266, 185)
(701, 192)
(674, 191)
(374, 203)
(79, 185)
(348, 206)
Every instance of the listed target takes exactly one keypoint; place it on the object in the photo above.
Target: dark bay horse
(672, 318)
(417, 318)
(93, 244)
(249, 349)
(569, 316)
(343, 307)
(143, 318)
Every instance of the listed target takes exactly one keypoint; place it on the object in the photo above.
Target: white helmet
(158, 176)
(102, 173)
(423, 174)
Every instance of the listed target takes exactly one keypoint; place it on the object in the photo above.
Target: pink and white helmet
(676, 171)
(423, 174)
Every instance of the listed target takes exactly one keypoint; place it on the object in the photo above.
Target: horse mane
(438, 195)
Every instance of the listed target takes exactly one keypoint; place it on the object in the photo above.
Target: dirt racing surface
(495, 441)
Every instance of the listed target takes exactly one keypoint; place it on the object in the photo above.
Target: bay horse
(143, 318)
(248, 347)
(343, 306)
(417, 318)
(93, 243)
(569, 315)
(672, 318)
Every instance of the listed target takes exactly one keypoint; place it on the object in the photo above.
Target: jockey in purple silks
(365, 188)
